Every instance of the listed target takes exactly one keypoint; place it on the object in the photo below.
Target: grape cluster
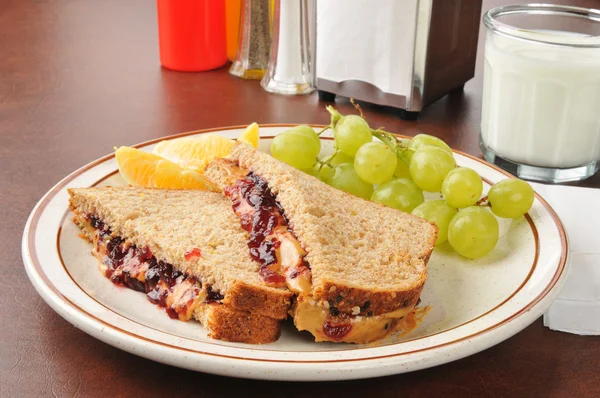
(395, 172)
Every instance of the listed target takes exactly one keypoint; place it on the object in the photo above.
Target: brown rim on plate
(36, 213)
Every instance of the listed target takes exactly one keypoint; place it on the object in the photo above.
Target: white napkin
(577, 307)
(381, 55)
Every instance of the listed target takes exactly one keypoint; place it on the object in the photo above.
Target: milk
(541, 102)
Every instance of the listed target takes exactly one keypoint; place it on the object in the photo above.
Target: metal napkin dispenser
(399, 53)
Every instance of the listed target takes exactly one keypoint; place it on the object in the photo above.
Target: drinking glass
(541, 91)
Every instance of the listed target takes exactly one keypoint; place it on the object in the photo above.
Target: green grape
(401, 193)
(308, 131)
(473, 232)
(438, 212)
(375, 163)
(325, 173)
(429, 166)
(511, 198)
(344, 177)
(296, 149)
(425, 139)
(313, 171)
(462, 187)
(402, 167)
(407, 153)
(350, 133)
(341, 158)
(326, 170)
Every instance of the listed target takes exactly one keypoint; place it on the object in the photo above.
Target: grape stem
(358, 108)
(387, 138)
(335, 115)
(324, 130)
(327, 160)
(391, 141)
(483, 202)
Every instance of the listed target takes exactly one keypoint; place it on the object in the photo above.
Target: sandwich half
(356, 268)
(187, 251)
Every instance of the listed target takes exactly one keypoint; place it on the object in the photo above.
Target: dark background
(80, 77)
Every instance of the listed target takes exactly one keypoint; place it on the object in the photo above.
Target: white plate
(474, 304)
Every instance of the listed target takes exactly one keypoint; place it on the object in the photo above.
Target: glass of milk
(541, 91)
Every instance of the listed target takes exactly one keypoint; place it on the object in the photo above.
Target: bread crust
(273, 303)
(224, 323)
(346, 298)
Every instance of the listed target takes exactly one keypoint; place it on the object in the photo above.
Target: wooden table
(79, 77)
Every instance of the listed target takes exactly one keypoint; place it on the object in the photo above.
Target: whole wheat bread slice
(171, 223)
(363, 256)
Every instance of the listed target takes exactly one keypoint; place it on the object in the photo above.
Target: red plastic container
(191, 34)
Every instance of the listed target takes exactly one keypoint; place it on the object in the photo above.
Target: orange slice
(148, 170)
(194, 152)
(250, 135)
